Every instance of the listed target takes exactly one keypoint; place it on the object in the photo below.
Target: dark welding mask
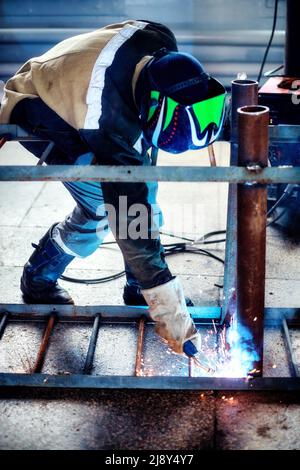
(184, 107)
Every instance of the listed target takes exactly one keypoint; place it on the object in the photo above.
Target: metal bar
(124, 313)
(211, 154)
(3, 323)
(292, 358)
(45, 153)
(244, 92)
(251, 230)
(24, 381)
(118, 313)
(88, 365)
(44, 344)
(139, 349)
(137, 174)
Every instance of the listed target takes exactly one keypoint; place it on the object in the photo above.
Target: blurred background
(227, 36)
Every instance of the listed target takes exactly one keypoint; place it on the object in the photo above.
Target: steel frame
(103, 314)
(98, 315)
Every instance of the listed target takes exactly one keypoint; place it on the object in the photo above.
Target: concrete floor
(137, 419)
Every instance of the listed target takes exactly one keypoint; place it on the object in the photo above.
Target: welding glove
(168, 309)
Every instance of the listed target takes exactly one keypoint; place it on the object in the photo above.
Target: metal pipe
(3, 323)
(88, 365)
(251, 231)
(292, 39)
(139, 350)
(243, 92)
(44, 345)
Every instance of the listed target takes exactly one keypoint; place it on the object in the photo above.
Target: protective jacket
(87, 83)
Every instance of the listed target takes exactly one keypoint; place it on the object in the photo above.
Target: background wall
(228, 36)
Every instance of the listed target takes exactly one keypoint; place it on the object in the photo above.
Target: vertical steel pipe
(251, 231)
(243, 92)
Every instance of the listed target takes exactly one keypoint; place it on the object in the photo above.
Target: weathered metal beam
(38, 365)
(107, 313)
(124, 313)
(136, 174)
(251, 232)
(139, 349)
(47, 381)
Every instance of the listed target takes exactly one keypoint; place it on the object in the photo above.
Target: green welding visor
(175, 127)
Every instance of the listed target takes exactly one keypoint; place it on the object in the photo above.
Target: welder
(105, 98)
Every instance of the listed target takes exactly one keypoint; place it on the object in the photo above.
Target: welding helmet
(183, 108)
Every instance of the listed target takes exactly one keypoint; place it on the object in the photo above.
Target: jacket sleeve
(131, 216)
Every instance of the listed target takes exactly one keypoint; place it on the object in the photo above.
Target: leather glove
(168, 309)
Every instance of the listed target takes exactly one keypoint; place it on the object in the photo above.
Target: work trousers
(84, 229)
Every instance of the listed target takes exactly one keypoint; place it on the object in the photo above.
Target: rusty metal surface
(44, 345)
(251, 230)
(243, 93)
(115, 367)
(139, 350)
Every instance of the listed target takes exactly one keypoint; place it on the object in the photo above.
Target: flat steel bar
(251, 232)
(291, 354)
(44, 345)
(139, 349)
(123, 313)
(11, 380)
(3, 323)
(88, 365)
(131, 174)
(243, 92)
(118, 313)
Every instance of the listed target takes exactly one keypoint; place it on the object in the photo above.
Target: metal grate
(97, 316)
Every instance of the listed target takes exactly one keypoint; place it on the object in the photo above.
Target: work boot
(45, 265)
(132, 296)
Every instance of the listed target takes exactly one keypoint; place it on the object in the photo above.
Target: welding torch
(191, 351)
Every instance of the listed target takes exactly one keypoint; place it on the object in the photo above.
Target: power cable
(270, 41)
